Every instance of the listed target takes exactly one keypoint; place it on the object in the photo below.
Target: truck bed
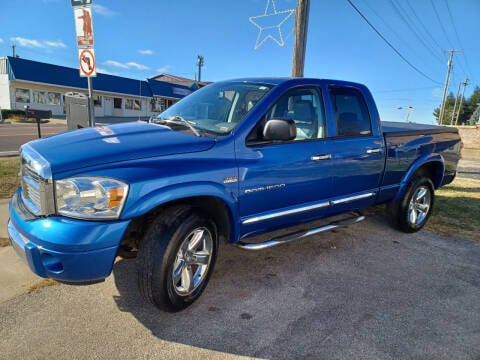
(391, 128)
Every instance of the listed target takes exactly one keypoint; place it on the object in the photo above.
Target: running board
(299, 234)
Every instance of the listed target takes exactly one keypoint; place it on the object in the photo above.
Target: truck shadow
(243, 308)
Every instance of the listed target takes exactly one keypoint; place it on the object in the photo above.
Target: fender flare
(178, 192)
(434, 159)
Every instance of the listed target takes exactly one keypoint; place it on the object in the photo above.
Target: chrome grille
(31, 184)
(37, 190)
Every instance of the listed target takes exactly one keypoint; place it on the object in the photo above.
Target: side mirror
(279, 130)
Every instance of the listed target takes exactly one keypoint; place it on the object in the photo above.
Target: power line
(391, 46)
(441, 24)
(425, 29)
(386, 23)
(458, 38)
(398, 9)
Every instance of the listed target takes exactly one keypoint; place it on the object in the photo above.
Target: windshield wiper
(177, 118)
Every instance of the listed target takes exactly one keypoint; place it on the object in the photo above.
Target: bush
(13, 114)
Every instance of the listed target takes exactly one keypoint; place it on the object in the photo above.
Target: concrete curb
(15, 276)
(4, 216)
(9, 153)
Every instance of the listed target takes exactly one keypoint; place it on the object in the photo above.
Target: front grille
(31, 184)
(37, 191)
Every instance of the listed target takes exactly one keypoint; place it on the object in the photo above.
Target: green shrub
(12, 114)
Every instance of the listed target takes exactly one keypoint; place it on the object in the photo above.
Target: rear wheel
(411, 213)
(176, 258)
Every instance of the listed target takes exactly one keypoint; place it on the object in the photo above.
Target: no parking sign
(86, 58)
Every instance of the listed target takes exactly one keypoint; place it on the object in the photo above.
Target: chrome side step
(299, 234)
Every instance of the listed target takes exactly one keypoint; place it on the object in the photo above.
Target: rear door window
(351, 112)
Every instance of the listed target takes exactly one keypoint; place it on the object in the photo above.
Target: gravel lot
(362, 292)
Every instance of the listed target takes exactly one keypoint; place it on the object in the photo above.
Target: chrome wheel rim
(192, 261)
(419, 205)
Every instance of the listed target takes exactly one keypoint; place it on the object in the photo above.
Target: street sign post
(82, 12)
(86, 59)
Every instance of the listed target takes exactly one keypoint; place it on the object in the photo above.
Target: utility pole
(449, 65)
(455, 105)
(465, 83)
(200, 62)
(13, 50)
(300, 33)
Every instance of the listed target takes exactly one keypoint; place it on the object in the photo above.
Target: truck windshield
(215, 109)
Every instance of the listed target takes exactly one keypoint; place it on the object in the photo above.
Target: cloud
(102, 10)
(115, 64)
(137, 66)
(104, 71)
(128, 65)
(146, 52)
(55, 44)
(38, 43)
(27, 42)
(1, 40)
(164, 69)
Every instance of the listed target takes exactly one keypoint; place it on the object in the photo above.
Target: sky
(143, 38)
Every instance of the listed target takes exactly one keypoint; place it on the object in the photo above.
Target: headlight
(90, 197)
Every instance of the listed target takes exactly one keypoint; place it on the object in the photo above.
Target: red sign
(86, 59)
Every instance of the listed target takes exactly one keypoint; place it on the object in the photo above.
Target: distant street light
(409, 111)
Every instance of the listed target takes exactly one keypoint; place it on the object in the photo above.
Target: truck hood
(121, 142)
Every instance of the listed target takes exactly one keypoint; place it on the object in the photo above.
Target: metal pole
(449, 65)
(409, 111)
(200, 62)
(300, 43)
(465, 83)
(37, 119)
(455, 105)
(91, 110)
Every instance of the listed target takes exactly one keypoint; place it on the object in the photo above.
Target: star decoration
(270, 24)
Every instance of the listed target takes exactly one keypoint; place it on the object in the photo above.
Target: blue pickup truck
(234, 160)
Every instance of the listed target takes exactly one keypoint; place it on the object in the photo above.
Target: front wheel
(411, 213)
(176, 258)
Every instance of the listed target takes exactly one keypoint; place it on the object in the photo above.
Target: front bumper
(64, 249)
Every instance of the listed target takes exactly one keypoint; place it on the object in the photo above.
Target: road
(15, 134)
(362, 292)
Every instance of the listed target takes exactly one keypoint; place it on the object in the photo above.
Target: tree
(469, 112)
(472, 106)
(447, 115)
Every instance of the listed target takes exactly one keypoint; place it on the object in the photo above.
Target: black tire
(412, 212)
(179, 237)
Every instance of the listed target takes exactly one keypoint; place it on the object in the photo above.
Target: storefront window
(137, 105)
(117, 103)
(39, 97)
(22, 95)
(97, 100)
(129, 104)
(53, 98)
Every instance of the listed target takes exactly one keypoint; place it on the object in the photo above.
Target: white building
(42, 86)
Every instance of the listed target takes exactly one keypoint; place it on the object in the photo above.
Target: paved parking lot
(365, 291)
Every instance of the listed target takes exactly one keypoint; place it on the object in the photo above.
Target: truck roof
(281, 80)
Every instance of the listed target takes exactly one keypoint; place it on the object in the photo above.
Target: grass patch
(9, 168)
(456, 211)
(42, 284)
(4, 242)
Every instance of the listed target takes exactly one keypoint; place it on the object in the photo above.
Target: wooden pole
(300, 33)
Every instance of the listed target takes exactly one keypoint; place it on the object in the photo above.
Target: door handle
(374, 151)
(321, 157)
